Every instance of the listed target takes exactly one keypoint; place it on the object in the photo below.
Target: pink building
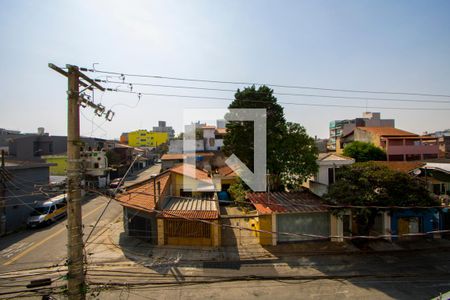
(399, 145)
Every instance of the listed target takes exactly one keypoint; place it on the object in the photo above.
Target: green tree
(298, 156)
(370, 184)
(362, 151)
(291, 153)
(238, 192)
(239, 138)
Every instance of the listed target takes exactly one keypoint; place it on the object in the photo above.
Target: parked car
(115, 183)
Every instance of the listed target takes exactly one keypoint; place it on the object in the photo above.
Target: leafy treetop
(362, 151)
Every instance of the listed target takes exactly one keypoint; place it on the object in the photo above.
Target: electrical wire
(115, 191)
(194, 97)
(123, 74)
(301, 235)
(276, 93)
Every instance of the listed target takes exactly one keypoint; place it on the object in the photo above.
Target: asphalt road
(33, 248)
(115, 274)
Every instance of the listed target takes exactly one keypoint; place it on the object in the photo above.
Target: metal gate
(304, 223)
(140, 227)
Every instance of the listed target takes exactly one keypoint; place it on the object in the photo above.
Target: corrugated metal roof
(191, 214)
(190, 208)
(284, 202)
(183, 203)
(438, 166)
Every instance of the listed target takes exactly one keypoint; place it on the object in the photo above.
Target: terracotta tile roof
(188, 169)
(221, 131)
(197, 208)
(401, 166)
(226, 171)
(173, 156)
(208, 127)
(141, 196)
(284, 202)
(387, 131)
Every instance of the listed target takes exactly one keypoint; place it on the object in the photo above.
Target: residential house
(120, 158)
(206, 146)
(436, 178)
(339, 128)
(203, 160)
(294, 216)
(414, 221)
(20, 191)
(95, 168)
(444, 146)
(223, 178)
(398, 144)
(139, 206)
(328, 163)
(443, 141)
(176, 207)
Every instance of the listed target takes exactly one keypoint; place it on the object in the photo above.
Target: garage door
(306, 223)
(140, 227)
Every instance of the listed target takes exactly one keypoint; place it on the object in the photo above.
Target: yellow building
(60, 169)
(144, 138)
(174, 216)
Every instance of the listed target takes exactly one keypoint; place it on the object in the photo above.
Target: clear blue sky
(375, 45)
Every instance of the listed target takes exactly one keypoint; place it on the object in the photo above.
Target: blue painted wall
(430, 219)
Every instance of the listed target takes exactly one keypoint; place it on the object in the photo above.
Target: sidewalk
(142, 175)
(146, 253)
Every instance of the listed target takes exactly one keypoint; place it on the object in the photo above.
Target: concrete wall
(18, 209)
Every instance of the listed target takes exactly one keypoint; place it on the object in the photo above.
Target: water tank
(41, 130)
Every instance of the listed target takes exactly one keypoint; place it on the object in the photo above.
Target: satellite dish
(417, 172)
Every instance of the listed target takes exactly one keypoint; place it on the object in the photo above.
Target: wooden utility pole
(75, 247)
(76, 285)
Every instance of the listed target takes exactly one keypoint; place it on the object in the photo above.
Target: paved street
(124, 267)
(142, 175)
(47, 246)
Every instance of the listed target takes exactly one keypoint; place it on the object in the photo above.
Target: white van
(48, 212)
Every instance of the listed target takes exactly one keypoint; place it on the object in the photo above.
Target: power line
(280, 102)
(301, 235)
(275, 93)
(122, 75)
